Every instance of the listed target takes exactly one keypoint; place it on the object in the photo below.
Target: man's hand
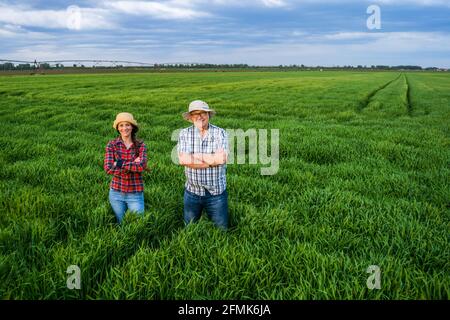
(216, 159)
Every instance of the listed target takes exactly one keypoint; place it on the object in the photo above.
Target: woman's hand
(137, 160)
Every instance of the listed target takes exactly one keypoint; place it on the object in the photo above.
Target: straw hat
(198, 105)
(124, 117)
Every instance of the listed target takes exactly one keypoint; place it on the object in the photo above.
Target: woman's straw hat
(124, 117)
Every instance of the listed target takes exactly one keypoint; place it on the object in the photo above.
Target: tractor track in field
(409, 106)
(365, 101)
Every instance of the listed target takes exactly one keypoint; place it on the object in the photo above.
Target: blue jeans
(121, 201)
(216, 208)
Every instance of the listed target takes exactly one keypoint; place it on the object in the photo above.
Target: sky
(254, 32)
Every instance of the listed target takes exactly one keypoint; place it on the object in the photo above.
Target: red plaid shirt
(128, 178)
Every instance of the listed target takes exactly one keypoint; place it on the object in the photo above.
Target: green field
(364, 179)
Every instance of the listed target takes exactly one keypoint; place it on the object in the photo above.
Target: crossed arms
(138, 165)
(202, 160)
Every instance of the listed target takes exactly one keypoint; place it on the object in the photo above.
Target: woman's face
(125, 129)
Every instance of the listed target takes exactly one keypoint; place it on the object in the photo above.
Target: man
(202, 150)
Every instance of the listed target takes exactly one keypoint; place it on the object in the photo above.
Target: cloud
(226, 31)
(390, 48)
(211, 4)
(274, 3)
(111, 14)
(88, 18)
(339, 36)
(8, 30)
(393, 49)
(16, 32)
(433, 3)
(160, 10)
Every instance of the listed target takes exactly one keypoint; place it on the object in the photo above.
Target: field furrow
(368, 98)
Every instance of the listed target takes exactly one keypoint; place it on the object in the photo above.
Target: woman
(126, 160)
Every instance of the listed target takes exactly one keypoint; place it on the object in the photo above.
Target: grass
(363, 180)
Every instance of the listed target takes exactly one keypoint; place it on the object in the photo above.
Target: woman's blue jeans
(123, 201)
(216, 207)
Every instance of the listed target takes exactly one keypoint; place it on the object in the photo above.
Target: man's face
(200, 119)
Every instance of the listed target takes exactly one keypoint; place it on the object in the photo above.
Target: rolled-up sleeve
(108, 163)
(223, 141)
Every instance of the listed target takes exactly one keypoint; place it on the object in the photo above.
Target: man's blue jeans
(121, 201)
(216, 207)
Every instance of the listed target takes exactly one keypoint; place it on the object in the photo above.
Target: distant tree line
(28, 66)
(22, 66)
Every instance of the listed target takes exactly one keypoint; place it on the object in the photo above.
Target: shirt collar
(120, 141)
(197, 132)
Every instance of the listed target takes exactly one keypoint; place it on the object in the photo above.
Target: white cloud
(104, 14)
(5, 33)
(297, 33)
(395, 48)
(17, 33)
(205, 4)
(351, 36)
(290, 3)
(224, 42)
(436, 3)
(274, 3)
(9, 30)
(53, 19)
(167, 10)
